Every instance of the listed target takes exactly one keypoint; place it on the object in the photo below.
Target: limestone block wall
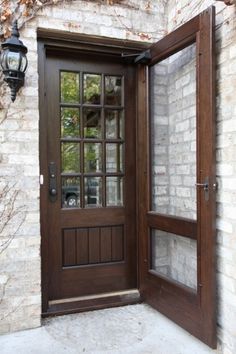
(173, 122)
(20, 274)
(175, 257)
(179, 11)
(20, 262)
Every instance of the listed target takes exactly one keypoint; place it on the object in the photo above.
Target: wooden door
(88, 163)
(176, 134)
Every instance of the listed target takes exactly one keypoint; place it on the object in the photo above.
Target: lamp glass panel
(2, 60)
(13, 60)
(24, 63)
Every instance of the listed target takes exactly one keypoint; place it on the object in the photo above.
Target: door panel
(177, 178)
(90, 180)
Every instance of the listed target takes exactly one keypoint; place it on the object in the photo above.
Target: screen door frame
(195, 311)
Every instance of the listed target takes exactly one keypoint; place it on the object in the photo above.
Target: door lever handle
(204, 185)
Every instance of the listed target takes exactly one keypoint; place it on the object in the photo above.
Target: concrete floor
(131, 329)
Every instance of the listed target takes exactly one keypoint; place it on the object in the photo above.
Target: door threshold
(92, 302)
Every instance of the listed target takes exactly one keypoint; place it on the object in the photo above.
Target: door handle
(52, 181)
(53, 192)
(205, 187)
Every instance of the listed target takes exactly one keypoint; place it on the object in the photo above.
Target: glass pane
(2, 59)
(70, 192)
(70, 122)
(114, 124)
(92, 157)
(114, 191)
(13, 60)
(92, 88)
(69, 87)
(93, 191)
(114, 158)
(173, 134)
(174, 257)
(113, 90)
(92, 123)
(70, 157)
(23, 63)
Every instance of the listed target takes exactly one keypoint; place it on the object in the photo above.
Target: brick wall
(20, 273)
(179, 12)
(173, 120)
(20, 288)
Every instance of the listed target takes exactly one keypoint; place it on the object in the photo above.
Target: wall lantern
(228, 2)
(13, 61)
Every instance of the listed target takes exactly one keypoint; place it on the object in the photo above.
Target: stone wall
(20, 272)
(175, 257)
(173, 129)
(20, 275)
(179, 11)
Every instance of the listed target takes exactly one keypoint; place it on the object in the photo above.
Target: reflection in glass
(114, 158)
(92, 88)
(70, 157)
(173, 134)
(113, 90)
(70, 87)
(70, 192)
(92, 157)
(114, 124)
(23, 63)
(114, 191)
(93, 191)
(13, 60)
(92, 123)
(70, 122)
(174, 257)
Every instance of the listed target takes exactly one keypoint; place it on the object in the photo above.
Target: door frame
(70, 42)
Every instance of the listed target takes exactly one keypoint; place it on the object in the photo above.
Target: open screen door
(177, 184)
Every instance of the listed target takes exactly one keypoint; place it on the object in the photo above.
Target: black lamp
(13, 61)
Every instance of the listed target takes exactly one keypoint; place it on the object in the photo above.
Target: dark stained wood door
(89, 175)
(176, 135)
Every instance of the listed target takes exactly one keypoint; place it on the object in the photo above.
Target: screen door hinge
(139, 58)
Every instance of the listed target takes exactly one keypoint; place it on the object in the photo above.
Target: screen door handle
(52, 181)
(205, 186)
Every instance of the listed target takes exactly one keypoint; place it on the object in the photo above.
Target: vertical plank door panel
(69, 249)
(82, 246)
(117, 243)
(105, 244)
(94, 245)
